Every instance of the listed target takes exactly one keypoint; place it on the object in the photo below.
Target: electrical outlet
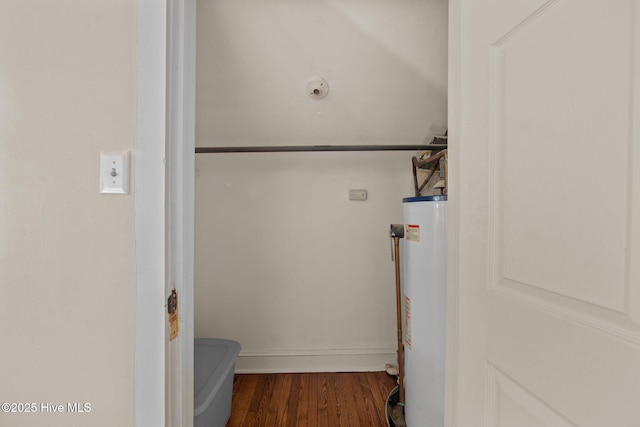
(360, 195)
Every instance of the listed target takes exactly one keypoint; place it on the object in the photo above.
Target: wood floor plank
(310, 400)
(244, 387)
(280, 399)
(293, 417)
(342, 408)
(260, 403)
(354, 401)
(302, 395)
(332, 406)
(312, 420)
(323, 400)
(368, 400)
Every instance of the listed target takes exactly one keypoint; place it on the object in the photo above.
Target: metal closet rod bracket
(313, 148)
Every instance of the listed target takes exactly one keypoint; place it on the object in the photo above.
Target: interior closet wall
(285, 263)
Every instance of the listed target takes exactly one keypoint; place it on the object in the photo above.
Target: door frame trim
(179, 204)
(453, 215)
(149, 194)
(163, 379)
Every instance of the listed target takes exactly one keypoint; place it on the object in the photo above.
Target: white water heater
(424, 283)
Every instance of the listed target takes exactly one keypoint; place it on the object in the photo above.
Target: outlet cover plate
(359, 195)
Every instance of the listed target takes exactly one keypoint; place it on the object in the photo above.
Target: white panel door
(544, 213)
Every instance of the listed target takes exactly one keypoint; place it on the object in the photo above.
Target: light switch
(114, 172)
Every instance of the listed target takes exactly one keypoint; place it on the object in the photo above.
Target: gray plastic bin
(213, 367)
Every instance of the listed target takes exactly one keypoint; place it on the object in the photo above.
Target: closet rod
(299, 148)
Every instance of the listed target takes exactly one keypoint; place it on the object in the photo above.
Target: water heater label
(407, 312)
(412, 232)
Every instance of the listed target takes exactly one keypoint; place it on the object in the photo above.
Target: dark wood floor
(310, 399)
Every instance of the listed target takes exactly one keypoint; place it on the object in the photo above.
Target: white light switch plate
(114, 172)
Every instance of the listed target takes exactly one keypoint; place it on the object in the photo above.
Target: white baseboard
(342, 360)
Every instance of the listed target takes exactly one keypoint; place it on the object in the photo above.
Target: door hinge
(172, 310)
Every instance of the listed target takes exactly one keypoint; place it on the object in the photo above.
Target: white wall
(285, 264)
(67, 91)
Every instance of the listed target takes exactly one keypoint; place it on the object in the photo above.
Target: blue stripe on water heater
(424, 199)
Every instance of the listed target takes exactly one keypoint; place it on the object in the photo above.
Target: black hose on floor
(394, 411)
